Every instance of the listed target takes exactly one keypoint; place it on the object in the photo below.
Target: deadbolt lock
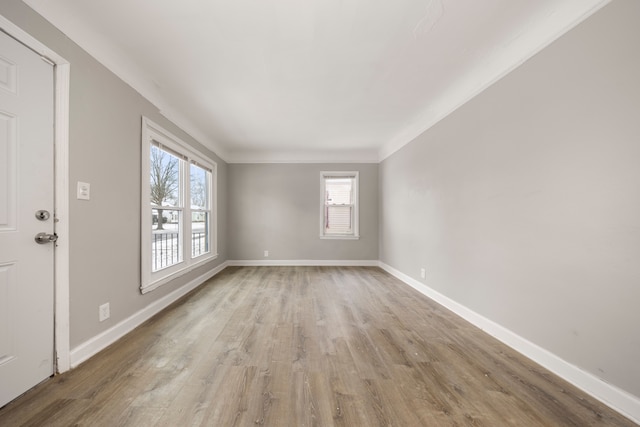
(43, 215)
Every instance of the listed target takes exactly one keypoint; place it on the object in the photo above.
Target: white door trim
(61, 190)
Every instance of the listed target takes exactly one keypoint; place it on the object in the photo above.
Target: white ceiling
(311, 80)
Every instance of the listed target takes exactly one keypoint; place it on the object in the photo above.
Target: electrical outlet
(104, 312)
(423, 273)
(266, 254)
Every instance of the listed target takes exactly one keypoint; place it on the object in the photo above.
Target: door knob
(43, 238)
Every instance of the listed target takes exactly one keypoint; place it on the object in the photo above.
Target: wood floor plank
(307, 346)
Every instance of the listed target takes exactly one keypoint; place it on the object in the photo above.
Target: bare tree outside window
(164, 181)
(199, 188)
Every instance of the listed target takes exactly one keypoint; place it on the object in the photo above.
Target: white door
(26, 187)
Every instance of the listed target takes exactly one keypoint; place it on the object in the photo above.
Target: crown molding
(112, 58)
(301, 156)
(510, 56)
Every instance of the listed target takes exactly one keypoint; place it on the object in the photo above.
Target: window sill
(337, 237)
(174, 275)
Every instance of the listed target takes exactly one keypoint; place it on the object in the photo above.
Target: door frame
(61, 191)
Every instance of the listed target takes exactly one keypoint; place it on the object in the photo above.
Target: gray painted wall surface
(276, 207)
(105, 131)
(524, 204)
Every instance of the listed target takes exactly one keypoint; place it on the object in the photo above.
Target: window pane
(338, 219)
(338, 191)
(199, 233)
(166, 243)
(164, 178)
(199, 187)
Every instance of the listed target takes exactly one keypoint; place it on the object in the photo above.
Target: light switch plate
(84, 191)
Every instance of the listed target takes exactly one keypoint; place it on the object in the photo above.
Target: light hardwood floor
(307, 346)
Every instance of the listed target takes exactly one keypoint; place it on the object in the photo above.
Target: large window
(177, 205)
(339, 205)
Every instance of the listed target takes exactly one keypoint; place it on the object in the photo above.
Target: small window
(177, 206)
(339, 207)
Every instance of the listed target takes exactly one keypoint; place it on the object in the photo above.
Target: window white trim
(153, 134)
(355, 233)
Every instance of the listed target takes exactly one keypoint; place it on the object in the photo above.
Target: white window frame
(355, 234)
(151, 280)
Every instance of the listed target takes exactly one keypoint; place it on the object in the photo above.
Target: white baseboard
(101, 341)
(303, 262)
(617, 399)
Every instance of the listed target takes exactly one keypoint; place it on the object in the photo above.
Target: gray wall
(105, 131)
(276, 207)
(524, 204)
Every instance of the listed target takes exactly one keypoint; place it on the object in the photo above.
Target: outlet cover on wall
(84, 191)
(104, 312)
(266, 254)
(423, 273)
